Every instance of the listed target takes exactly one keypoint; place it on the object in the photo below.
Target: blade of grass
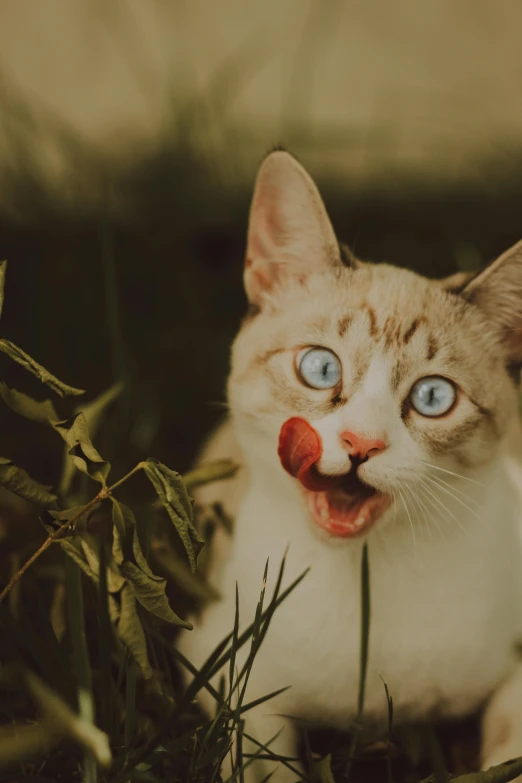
(104, 646)
(363, 659)
(130, 702)
(245, 672)
(389, 702)
(253, 757)
(216, 660)
(265, 749)
(251, 704)
(239, 750)
(233, 649)
(76, 619)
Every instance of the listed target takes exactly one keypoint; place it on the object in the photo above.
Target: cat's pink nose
(361, 447)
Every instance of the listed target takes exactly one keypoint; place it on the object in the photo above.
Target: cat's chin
(344, 514)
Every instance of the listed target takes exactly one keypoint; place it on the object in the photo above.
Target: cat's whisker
(455, 497)
(445, 483)
(410, 487)
(452, 473)
(415, 497)
(443, 506)
(435, 513)
(410, 520)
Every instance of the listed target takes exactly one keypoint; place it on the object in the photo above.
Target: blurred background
(130, 134)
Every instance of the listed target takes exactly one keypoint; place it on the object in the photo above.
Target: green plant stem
(364, 649)
(102, 495)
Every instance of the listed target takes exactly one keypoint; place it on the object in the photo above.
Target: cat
(370, 404)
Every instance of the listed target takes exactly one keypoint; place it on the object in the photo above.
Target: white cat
(392, 400)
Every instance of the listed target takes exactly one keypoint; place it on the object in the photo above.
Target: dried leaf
(147, 587)
(3, 269)
(173, 495)
(79, 558)
(85, 555)
(19, 743)
(36, 410)
(130, 631)
(177, 570)
(93, 412)
(122, 523)
(22, 742)
(150, 592)
(21, 357)
(115, 580)
(19, 482)
(95, 409)
(218, 470)
(75, 433)
(62, 721)
(75, 512)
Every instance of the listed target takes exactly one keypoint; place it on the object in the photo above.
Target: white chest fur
(445, 606)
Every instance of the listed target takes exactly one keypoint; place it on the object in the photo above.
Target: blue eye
(319, 368)
(433, 396)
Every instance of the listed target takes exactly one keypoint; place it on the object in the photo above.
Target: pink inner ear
(266, 230)
(299, 448)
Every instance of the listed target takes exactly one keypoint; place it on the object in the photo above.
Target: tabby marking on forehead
(372, 319)
(432, 348)
(412, 329)
(344, 325)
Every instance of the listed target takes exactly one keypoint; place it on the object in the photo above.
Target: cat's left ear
(497, 290)
(289, 235)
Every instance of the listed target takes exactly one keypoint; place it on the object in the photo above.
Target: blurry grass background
(130, 134)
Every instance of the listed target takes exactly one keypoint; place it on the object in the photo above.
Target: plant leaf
(75, 433)
(173, 495)
(36, 410)
(79, 558)
(115, 580)
(214, 471)
(147, 587)
(62, 721)
(21, 357)
(93, 412)
(69, 513)
(19, 482)
(130, 631)
(177, 570)
(3, 269)
(95, 409)
(150, 592)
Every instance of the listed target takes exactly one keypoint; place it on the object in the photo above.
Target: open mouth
(342, 505)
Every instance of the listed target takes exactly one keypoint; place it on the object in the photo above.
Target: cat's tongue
(339, 512)
(299, 449)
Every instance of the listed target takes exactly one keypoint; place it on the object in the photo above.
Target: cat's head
(373, 378)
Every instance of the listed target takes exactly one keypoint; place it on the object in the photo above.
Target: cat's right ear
(289, 235)
(497, 291)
